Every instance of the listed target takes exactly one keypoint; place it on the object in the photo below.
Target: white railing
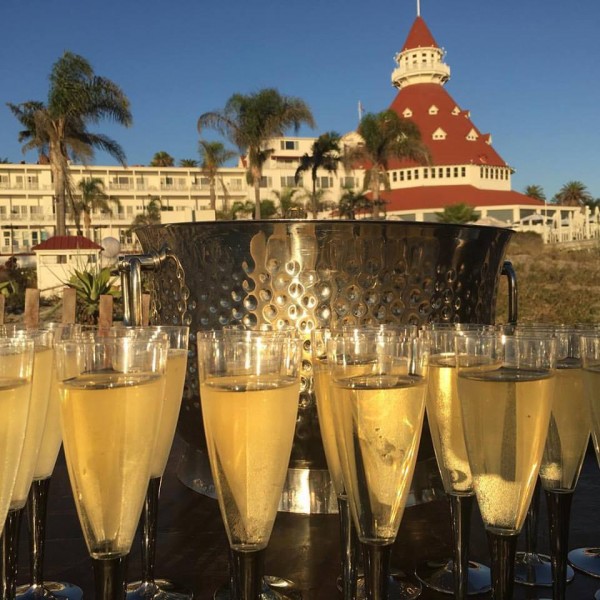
(579, 226)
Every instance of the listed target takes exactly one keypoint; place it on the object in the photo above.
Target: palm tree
(77, 97)
(190, 163)
(385, 135)
(93, 197)
(535, 191)
(351, 202)
(573, 193)
(325, 154)
(286, 200)
(458, 213)
(162, 159)
(150, 215)
(250, 121)
(213, 155)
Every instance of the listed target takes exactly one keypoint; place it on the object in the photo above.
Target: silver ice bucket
(311, 274)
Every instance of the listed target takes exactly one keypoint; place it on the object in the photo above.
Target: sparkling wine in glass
(249, 385)
(566, 444)
(112, 392)
(43, 365)
(505, 386)
(38, 494)
(378, 416)
(149, 586)
(458, 575)
(16, 367)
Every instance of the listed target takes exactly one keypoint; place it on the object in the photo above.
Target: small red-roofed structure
(59, 256)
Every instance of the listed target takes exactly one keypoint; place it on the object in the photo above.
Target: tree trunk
(375, 183)
(257, 197)
(314, 207)
(213, 195)
(59, 190)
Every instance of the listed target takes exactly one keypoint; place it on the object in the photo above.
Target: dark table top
(192, 545)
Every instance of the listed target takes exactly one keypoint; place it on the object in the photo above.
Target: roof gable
(419, 36)
(67, 242)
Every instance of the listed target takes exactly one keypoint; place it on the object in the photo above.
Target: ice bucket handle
(130, 267)
(509, 271)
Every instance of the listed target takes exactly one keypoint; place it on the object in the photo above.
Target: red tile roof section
(436, 198)
(455, 148)
(419, 36)
(67, 242)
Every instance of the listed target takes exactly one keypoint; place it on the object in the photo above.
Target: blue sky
(527, 70)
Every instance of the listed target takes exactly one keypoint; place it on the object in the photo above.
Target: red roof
(445, 128)
(68, 242)
(436, 198)
(419, 36)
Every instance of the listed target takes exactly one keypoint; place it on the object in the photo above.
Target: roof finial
(418, 8)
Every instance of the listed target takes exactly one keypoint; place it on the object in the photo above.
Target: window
(441, 173)
(409, 175)
(439, 134)
(425, 173)
(416, 173)
(265, 182)
(448, 172)
(407, 113)
(290, 181)
(455, 172)
(289, 145)
(324, 182)
(463, 171)
(394, 176)
(401, 175)
(433, 173)
(433, 109)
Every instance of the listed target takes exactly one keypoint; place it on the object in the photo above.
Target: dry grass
(555, 285)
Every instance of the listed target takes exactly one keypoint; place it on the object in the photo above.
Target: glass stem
(109, 578)
(376, 560)
(531, 523)
(10, 557)
(461, 508)
(559, 514)
(349, 549)
(247, 570)
(36, 513)
(502, 550)
(149, 528)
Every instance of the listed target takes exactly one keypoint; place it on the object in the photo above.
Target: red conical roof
(445, 128)
(419, 36)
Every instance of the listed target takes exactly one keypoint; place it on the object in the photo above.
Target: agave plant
(89, 285)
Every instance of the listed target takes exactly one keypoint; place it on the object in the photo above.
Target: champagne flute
(378, 413)
(112, 391)
(505, 387)
(38, 494)
(348, 538)
(590, 356)
(566, 444)
(249, 385)
(43, 364)
(149, 586)
(16, 367)
(458, 576)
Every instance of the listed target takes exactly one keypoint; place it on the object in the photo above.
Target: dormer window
(407, 114)
(439, 134)
(472, 136)
(456, 111)
(433, 110)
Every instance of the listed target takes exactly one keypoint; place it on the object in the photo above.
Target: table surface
(192, 546)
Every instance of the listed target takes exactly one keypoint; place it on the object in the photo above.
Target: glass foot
(439, 576)
(274, 588)
(400, 588)
(160, 589)
(535, 569)
(51, 589)
(586, 560)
